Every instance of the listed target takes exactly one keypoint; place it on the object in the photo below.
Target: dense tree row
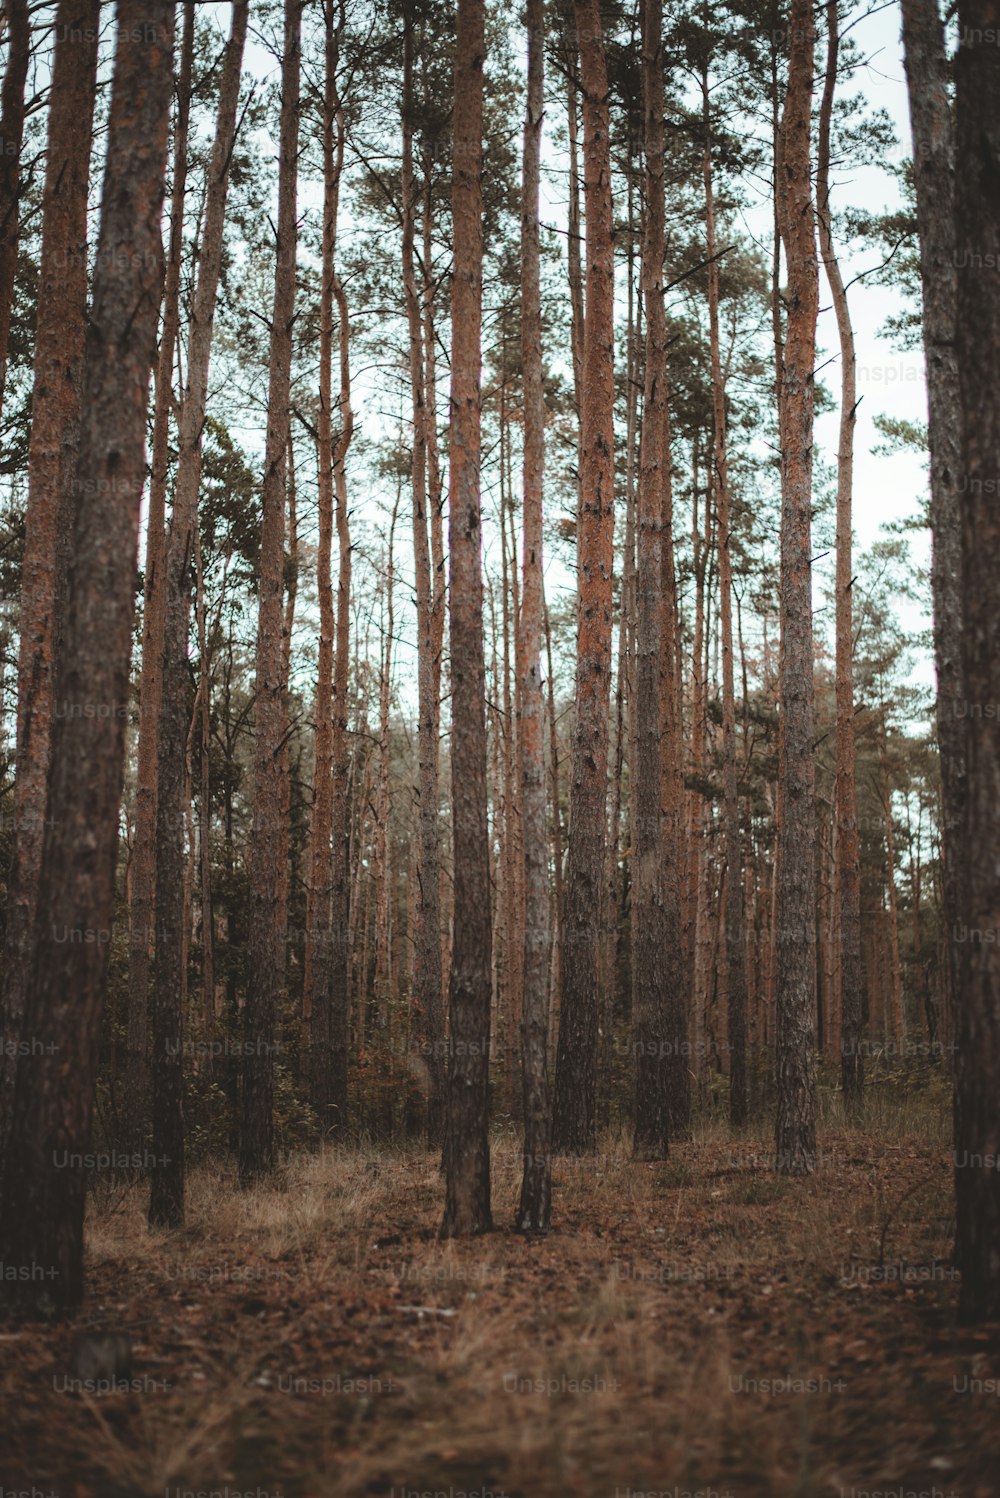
(597, 788)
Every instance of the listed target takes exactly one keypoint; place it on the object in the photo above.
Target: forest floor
(695, 1326)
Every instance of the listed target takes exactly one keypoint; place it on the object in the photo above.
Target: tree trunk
(697, 838)
(285, 769)
(736, 981)
(649, 951)
(17, 16)
(435, 479)
(257, 1134)
(795, 944)
(574, 1126)
(928, 75)
(777, 331)
(142, 907)
(55, 422)
(848, 858)
(467, 1146)
(335, 1034)
(896, 1026)
(383, 806)
(205, 810)
(555, 793)
(618, 887)
(44, 1179)
(166, 1204)
(574, 239)
(428, 999)
(319, 936)
(535, 1206)
(511, 884)
(848, 969)
(676, 1045)
(435, 497)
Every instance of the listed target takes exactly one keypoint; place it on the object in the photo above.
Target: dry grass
(315, 1337)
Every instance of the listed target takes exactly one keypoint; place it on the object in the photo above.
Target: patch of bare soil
(697, 1326)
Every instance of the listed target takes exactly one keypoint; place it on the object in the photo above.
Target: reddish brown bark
(340, 949)
(696, 913)
(555, 812)
(535, 1206)
(44, 1181)
(427, 989)
(17, 17)
(55, 418)
(466, 1149)
(977, 1030)
(266, 946)
(795, 936)
(382, 846)
(928, 73)
(316, 978)
(848, 1002)
(650, 958)
(895, 1018)
(205, 807)
(166, 1205)
(574, 241)
(285, 769)
(574, 1121)
(142, 905)
(508, 945)
(435, 478)
(735, 936)
(626, 721)
(676, 1045)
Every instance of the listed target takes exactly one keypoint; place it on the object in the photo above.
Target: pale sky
(888, 382)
